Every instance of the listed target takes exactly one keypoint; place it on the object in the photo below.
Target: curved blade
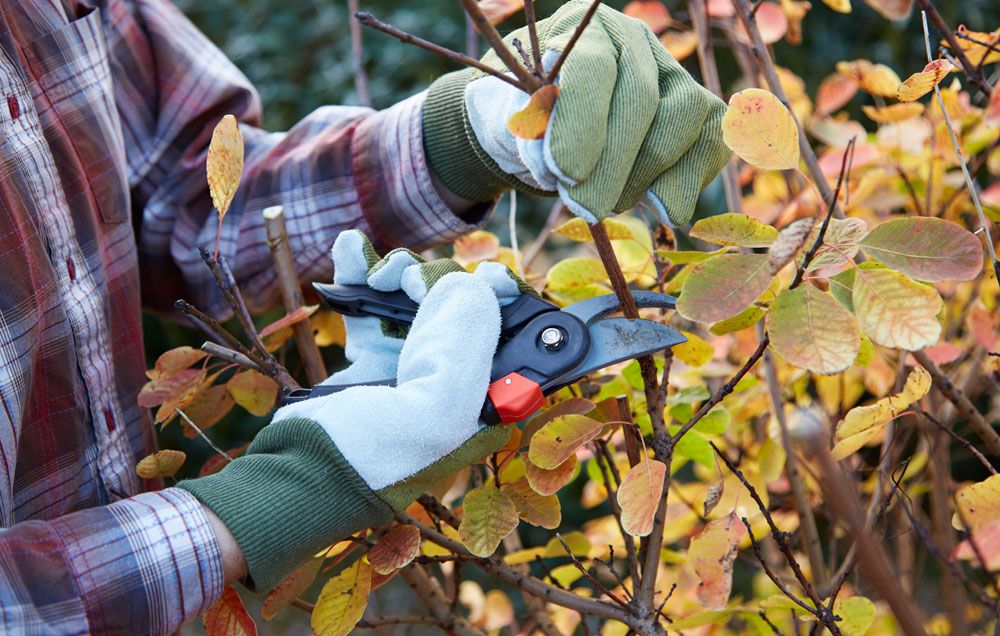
(617, 339)
(600, 306)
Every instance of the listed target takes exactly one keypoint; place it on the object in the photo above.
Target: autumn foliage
(791, 466)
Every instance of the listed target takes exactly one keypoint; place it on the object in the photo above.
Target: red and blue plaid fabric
(106, 110)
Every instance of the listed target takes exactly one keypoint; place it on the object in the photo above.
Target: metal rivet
(552, 338)
(507, 381)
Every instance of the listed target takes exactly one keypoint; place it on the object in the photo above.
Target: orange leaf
(771, 22)
(171, 387)
(532, 121)
(559, 439)
(164, 463)
(288, 320)
(981, 325)
(228, 617)
(639, 496)
(225, 163)
(536, 509)
(548, 482)
(290, 588)
(795, 12)
(834, 92)
(215, 463)
(877, 79)
(712, 553)
(919, 84)
(475, 247)
(206, 408)
(496, 11)
(974, 47)
(173, 361)
(680, 44)
(253, 391)
(987, 541)
(395, 549)
(652, 12)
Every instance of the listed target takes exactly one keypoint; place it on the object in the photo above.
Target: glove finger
(578, 127)
(386, 274)
(675, 192)
(353, 255)
(634, 103)
(418, 279)
(680, 116)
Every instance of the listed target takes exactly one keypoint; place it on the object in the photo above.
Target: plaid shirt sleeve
(339, 168)
(143, 565)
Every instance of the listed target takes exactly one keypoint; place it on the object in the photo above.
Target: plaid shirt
(106, 110)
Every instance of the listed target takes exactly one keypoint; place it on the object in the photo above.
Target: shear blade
(617, 339)
(601, 306)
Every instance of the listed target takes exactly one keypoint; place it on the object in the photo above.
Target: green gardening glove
(630, 125)
(330, 466)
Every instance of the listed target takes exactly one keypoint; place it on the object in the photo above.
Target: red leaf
(228, 617)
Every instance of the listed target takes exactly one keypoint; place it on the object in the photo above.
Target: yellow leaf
(695, 352)
(863, 423)
(895, 311)
(559, 439)
(856, 615)
(253, 391)
(342, 601)
(173, 361)
(395, 549)
(579, 230)
(328, 327)
(532, 121)
(488, 516)
(225, 163)
(639, 495)
(228, 617)
(712, 553)
(164, 463)
(795, 11)
(538, 510)
(977, 45)
(575, 273)
(894, 113)
(734, 228)
(206, 408)
(759, 129)
(840, 6)
(475, 247)
(877, 79)
(979, 504)
(290, 588)
(919, 84)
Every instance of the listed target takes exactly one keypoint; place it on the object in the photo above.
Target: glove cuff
(451, 147)
(289, 497)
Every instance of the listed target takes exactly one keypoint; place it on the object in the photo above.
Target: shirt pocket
(72, 90)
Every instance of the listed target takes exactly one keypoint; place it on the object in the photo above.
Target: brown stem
(402, 619)
(965, 408)
(554, 71)
(429, 591)
(710, 75)
(814, 550)
(489, 32)
(964, 443)
(369, 20)
(233, 357)
(291, 293)
(212, 327)
(975, 75)
(532, 19)
(762, 55)
(843, 501)
(944, 535)
(357, 56)
(598, 586)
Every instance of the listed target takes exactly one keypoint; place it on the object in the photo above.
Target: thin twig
(976, 77)
(536, 246)
(598, 586)
(970, 184)
(233, 357)
(489, 32)
(536, 50)
(213, 327)
(964, 443)
(357, 56)
(554, 71)
(369, 20)
(205, 437)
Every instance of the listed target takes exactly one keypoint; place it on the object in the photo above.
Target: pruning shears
(542, 348)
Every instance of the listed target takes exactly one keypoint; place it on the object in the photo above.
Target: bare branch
(489, 32)
(357, 56)
(554, 71)
(975, 75)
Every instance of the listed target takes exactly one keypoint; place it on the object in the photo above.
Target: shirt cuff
(401, 206)
(157, 546)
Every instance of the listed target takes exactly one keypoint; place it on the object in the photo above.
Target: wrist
(234, 564)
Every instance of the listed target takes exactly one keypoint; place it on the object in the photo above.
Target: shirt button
(71, 267)
(13, 107)
(109, 420)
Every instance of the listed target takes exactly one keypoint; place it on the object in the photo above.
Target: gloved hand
(330, 466)
(630, 125)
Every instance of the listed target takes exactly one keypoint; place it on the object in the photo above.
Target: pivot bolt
(552, 338)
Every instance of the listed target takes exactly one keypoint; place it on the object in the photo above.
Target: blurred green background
(298, 54)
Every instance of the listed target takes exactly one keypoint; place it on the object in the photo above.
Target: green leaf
(579, 230)
(723, 286)
(734, 228)
(684, 258)
(715, 421)
(689, 395)
(895, 311)
(746, 318)
(694, 446)
(856, 615)
(926, 248)
(574, 273)
(811, 330)
(842, 288)
(488, 515)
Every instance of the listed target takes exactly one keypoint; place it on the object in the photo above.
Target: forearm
(234, 564)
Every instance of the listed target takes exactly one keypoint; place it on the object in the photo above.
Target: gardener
(106, 114)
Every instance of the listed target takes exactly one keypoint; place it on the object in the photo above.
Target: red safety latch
(515, 397)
